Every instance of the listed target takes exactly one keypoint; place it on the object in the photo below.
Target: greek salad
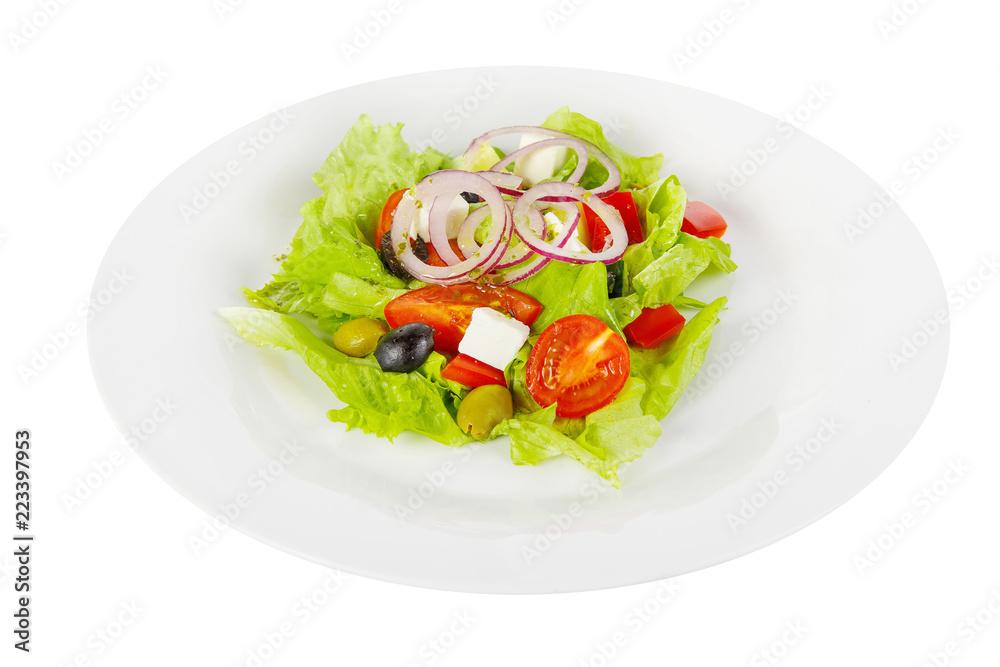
(531, 287)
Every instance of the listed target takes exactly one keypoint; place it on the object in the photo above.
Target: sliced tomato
(434, 259)
(385, 218)
(655, 325)
(598, 232)
(702, 220)
(448, 309)
(472, 373)
(579, 363)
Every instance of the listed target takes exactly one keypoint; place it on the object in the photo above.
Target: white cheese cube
(538, 165)
(493, 338)
(458, 210)
(574, 244)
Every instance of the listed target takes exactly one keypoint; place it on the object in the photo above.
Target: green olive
(483, 408)
(359, 337)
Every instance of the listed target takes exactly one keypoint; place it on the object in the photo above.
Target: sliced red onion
(437, 226)
(611, 184)
(518, 273)
(568, 141)
(450, 181)
(502, 179)
(467, 232)
(570, 191)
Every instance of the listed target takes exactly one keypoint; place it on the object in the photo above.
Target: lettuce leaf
(669, 369)
(615, 434)
(369, 164)
(564, 289)
(662, 207)
(333, 271)
(385, 404)
(636, 171)
(659, 280)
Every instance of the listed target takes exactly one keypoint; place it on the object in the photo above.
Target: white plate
(477, 522)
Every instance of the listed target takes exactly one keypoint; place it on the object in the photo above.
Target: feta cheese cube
(538, 165)
(574, 244)
(458, 210)
(493, 338)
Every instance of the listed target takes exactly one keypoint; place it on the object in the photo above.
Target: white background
(126, 545)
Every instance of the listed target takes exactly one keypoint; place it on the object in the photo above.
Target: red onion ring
(570, 191)
(450, 181)
(611, 184)
(568, 141)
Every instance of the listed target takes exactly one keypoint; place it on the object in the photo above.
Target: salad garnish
(536, 293)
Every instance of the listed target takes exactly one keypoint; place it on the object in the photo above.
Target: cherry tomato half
(598, 232)
(702, 220)
(385, 218)
(579, 363)
(654, 325)
(448, 309)
(472, 373)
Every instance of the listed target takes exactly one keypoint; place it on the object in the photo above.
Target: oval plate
(800, 404)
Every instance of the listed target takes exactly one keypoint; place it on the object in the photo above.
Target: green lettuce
(669, 369)
(385, 404)
(601, 441)
(636, 171)
(662, 207)
(333, 271)
(565, 289)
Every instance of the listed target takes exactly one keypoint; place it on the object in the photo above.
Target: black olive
(392, 262)
(616, 279)
(471, 197)
(405, 348)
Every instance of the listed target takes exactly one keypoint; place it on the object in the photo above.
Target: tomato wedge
(702, 220)
(448, 309)
(385, 218)
(579, 363)
(598, 232)
(434, 259)
(654, 325)
(472, 373)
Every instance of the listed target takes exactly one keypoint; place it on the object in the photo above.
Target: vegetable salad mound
(533, 290)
